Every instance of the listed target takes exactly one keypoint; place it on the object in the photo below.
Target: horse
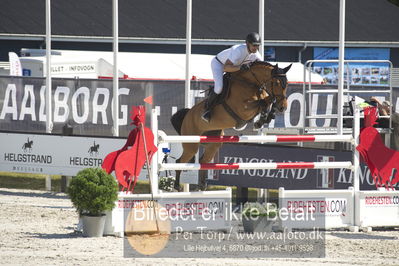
(262, 88)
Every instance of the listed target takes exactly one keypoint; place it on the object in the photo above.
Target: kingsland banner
(85, 104)
(287, 178)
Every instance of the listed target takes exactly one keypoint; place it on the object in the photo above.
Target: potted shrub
(92, 192)
(167, 183)
(257, 217)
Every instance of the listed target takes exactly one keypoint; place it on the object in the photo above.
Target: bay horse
(262, 87)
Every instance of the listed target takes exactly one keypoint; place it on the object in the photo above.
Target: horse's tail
(177, 119)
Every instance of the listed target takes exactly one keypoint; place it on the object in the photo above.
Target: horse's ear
(285, 70)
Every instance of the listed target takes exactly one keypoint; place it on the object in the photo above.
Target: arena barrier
(332, 208)
(177, 202)
(377, 208)
(326, 217)
(323, 208)
(208, 210)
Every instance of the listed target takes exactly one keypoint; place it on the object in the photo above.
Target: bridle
(262, 86)
(263, 107)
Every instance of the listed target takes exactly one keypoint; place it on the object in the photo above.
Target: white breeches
(217, 71)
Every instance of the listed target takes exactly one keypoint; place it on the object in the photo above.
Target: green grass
(38, 182)
(28, 181)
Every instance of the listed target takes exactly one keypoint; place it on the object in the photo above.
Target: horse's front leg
(266, 115)
(209, 154)
(189, 151)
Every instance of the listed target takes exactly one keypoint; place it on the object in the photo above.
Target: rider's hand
(244, 67)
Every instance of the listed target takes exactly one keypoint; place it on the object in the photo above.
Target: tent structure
(153, 66)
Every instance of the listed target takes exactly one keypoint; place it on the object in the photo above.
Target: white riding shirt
(238, 55)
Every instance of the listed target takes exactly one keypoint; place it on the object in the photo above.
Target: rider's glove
(244, 67)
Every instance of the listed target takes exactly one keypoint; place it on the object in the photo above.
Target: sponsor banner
(85, 105)
(368, 74)
(287, 178)
(317, 208)
(188, 214)
(378, 208)
(53, 155)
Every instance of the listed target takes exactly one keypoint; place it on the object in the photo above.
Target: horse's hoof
(202, 187)
(258, 125)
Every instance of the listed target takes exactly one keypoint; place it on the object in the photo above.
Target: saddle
(240, 123)
(221, 99)
(225, 91)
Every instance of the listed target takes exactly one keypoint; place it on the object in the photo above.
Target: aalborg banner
(85, 104)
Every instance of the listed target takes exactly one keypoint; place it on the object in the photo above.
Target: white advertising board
(377, 208)
(187, 211)
(316, 208)
(54, 155)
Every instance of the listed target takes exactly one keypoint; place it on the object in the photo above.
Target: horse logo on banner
(94, 149)
(27, 146)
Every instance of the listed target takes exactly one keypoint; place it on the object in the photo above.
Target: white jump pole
(262, 28)
(187, 98)
(356, 162)
(115, 80)
(341, 65)
(49, 118)
(255, 138)
(249, 166)
(154, 161)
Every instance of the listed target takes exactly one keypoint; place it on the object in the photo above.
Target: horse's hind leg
(209, 154)
(189, 151)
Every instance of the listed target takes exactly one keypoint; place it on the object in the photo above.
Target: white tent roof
(161, 66)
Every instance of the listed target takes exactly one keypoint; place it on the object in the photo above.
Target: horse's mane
(263, 63)
(276, 71)
(275, 68)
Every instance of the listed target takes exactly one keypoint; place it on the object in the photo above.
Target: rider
(232, 59)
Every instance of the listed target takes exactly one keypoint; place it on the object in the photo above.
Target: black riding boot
(210, 103)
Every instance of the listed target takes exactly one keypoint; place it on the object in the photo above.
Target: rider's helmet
(253, 38)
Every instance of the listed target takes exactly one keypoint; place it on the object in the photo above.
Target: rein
(260, 86)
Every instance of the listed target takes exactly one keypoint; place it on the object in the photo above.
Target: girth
(239, 121)
(226, 89)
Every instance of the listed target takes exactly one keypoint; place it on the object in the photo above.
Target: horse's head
(278, 87)
(272, 83)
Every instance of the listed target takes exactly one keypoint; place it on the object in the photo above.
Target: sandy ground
(37, 228)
